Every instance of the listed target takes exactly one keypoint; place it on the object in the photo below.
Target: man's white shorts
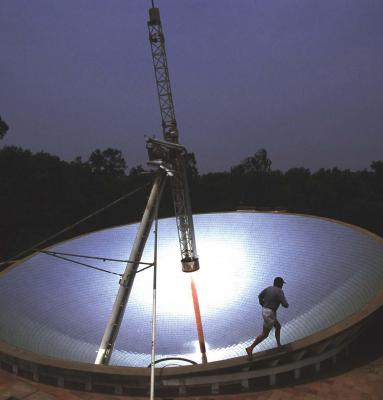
(269, 317)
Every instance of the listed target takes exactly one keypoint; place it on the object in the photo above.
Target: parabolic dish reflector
(57, 308)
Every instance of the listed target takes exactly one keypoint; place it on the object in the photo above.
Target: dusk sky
(301, 78)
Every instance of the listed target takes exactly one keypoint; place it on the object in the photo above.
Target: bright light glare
(216, 284)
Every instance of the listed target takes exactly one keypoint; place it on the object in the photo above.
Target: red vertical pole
(198, 320)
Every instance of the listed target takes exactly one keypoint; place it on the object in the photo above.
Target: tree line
(40, 194)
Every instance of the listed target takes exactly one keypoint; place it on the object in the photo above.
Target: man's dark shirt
(272, 297)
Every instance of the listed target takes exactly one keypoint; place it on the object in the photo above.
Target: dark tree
(191, 166)
(296, 189)
(137, 170)
(109, 162)
(3, 128)
(377, 168)
(259, 163)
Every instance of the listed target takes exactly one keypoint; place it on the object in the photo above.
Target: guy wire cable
(62, 257)
(18, 255)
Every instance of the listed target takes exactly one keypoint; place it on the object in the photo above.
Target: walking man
(270, 299)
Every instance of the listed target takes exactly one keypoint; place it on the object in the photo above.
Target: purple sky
(302, 79)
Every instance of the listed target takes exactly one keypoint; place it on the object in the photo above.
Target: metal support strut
(154, 307)
(126, 282)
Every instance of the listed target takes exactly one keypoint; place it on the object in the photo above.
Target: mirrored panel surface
(58, 308)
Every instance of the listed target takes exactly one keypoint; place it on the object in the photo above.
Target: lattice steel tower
(171, 154)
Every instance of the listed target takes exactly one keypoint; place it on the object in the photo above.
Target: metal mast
(170, 157)
(168, 153)
(126, 283)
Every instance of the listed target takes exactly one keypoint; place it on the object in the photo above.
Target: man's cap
(279, 279)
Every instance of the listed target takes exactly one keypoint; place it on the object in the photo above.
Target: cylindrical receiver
(190, 265)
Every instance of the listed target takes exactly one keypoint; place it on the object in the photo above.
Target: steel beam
(111, 331)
